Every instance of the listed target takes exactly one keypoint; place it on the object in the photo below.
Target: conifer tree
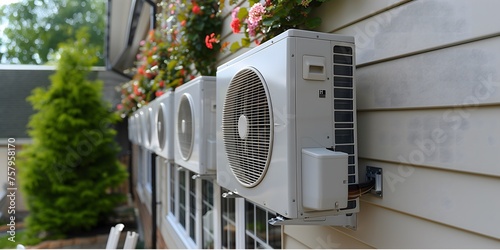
(69, 169)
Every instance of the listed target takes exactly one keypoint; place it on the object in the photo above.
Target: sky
(4, 2)
(2, 27)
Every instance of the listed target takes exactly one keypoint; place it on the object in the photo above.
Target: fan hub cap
(243, 126)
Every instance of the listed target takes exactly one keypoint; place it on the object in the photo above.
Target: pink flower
(254, 17)
(210, 39)
(255, 13)
(252, 28)
(234, 13)
(208, 43)
(119, 106)
(196, 9)
(236, 25)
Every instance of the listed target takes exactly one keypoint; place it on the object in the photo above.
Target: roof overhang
(128, 23)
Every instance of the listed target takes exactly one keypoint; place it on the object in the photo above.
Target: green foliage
(36, 27)
(283, 15)
(5, 243)
(71, 165)
(175, 52)
(197, 28)
(277, 17)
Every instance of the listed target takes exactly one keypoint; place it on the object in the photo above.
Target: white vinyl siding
(428, 100)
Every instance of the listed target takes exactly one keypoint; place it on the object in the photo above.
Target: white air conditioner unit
(144, 124)
(164, 131)
(146, 114)
(286, 126)
(130, 123)
(138, 128)
(152, 140)
(195, 125)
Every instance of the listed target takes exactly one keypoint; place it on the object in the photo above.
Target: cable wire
(357, 190)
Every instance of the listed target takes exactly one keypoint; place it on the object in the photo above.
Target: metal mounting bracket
(344, 220)
(374, 173)
(230, 195)
(204, 176)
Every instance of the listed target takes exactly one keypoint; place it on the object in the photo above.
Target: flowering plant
(173, 53)
(264, 20)
(158, 68)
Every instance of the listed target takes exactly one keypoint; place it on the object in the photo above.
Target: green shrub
(68, 171)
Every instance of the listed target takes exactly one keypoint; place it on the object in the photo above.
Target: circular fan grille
(247, 127)
(185, 126)
(138, 120)
(161, 127)
(149, 125)
(131, 128)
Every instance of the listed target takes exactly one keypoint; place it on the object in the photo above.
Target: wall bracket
(344, 220)
(375, 173)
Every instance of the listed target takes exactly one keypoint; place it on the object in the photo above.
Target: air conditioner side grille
(247, 127)
(343, 101)
(344, 106)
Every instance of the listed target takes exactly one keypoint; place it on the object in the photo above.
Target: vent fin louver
(344, 105)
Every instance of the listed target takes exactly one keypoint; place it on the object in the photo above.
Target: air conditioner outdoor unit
(131, 129)
(286, 127)
(145, 126)
(138, 127)
(194, 138)
(164, 131)
(152, 140)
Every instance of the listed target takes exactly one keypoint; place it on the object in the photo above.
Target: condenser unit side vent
(343, 99)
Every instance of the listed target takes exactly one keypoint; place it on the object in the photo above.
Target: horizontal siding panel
(384, 228)
(348, 11)
(320, 237)
(462, 75)
(460, 200)
(456, 139)
(291, 243)
(226, 15)
(228, 36)
(421, 25)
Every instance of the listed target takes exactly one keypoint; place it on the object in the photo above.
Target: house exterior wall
(428, 100)
(428, 114)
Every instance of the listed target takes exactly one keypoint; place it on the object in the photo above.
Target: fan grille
(185, 126)
(161, 128)
(138, 118)
(247, 127)
(149, 124)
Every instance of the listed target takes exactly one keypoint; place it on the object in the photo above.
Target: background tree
(36, 27)
(72, 164)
